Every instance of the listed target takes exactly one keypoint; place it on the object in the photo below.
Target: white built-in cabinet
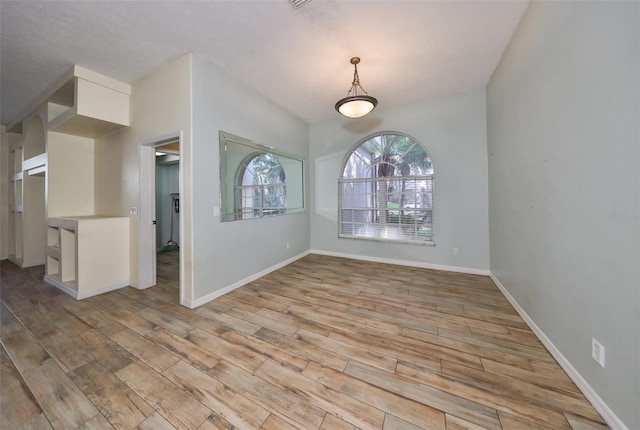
(27, 160)
(88, 255)
(52, 217)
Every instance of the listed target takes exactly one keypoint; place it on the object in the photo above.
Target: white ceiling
(299, 58)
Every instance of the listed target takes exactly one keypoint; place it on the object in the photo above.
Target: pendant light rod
(356, 79)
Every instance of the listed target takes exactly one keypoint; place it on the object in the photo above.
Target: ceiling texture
(411, 51)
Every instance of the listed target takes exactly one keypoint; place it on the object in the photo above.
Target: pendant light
(356, 105)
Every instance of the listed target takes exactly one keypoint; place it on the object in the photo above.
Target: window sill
(396, 241)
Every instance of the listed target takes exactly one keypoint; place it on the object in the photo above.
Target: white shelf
(54, 251)
(51, 173)
(88, 255)
(38, 171)
(78, 125)
(35, 162)
(89, 105)
(55, 110)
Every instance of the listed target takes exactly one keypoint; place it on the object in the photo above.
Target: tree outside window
(386, 191)
(261, 189)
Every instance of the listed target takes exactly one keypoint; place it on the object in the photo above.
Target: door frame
(147, 276)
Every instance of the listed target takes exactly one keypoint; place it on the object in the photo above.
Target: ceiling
(299, 58)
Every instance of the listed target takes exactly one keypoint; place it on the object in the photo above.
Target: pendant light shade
(356, 105)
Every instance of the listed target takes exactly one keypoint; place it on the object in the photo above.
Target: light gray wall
(453, 130)
(225, 253)
(564, 185)
(167, 182)
(4, 194)
(160, 105)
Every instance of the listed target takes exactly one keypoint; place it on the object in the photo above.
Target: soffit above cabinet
(85, 103)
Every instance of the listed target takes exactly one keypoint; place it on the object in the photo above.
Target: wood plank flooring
(324, 343)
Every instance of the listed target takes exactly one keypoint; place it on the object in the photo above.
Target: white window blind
(398, 209)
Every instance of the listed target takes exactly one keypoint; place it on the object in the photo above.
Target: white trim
(458, 269)
(75, 72)
(147, 276)
(133, 284)
(20, 262)
(14, 260)
(214, 295)
(33, 162)
(605, 411)
(59, 285)
(395, 241)
(102, 80)
(103, 290)
(146, 215)
(83, 295)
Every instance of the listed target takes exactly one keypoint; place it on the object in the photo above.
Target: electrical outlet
(597, 352)
(288, 245)
(456, 251)
(133, 211)
(216, 211)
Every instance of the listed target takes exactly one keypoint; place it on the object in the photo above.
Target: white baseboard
(83, 295)
(605, 411)
(62, 287)
(103, 290)
(15, 261)
(20, 263)
(468, 270)
(214, 295)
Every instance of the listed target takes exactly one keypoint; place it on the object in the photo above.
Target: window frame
(233, 151)
(257, 189)
(368, 221)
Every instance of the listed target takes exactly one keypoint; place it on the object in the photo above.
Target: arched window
(386, 191)
(261, 187)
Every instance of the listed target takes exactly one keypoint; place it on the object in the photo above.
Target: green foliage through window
(261, 190)
(386, 191)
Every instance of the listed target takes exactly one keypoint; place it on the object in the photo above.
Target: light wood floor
(168, 268)
(323, 343)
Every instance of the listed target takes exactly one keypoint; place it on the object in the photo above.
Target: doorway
(168, 214)
(160, 218)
